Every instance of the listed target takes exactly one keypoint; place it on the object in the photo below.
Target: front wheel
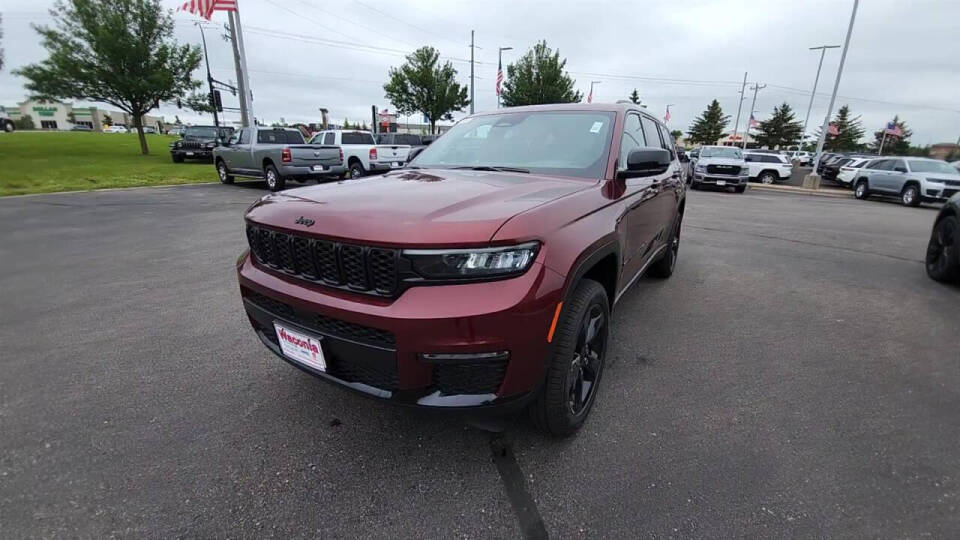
(177, 158)
(275, 182)
(861, 191)
(767, 178)
(910, 196)
(943, 251)
(8, 126)
(223, 173)
(576, 361)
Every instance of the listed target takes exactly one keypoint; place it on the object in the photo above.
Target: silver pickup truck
(276, 155)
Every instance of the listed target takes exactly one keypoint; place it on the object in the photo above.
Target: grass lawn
(40, 162)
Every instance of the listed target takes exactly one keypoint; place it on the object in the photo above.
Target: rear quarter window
(356, 138)
(279, 136)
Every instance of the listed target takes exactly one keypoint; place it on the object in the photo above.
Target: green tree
(635, 97)
(537, 78)
(893, 145)
(677, 134)
(346, 124)
(422, 85)
(781, 130)
(199, 102)
(849, 132)
(107, 119)
(24, 122)
(120, 52)
(709, 126)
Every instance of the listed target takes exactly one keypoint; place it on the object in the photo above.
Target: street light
(823, 52)
(500, 70)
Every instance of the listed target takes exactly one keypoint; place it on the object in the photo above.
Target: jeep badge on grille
(304, 221)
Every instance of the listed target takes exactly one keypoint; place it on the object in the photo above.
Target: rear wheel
(861, 191)
(356, 169)
(8, 126)
(576, 362)
(767, 177)
(664, 267)
(223, 173)
(943, 251)
(275, 182)
(910, 196)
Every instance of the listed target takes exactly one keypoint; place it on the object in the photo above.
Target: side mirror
(900, 169)
(646, 162)
(414, 152)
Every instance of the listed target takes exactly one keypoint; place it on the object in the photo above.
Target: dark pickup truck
(198, 142)
(276, 155)
(480, 278)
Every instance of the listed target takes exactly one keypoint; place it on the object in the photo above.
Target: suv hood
(430, 207)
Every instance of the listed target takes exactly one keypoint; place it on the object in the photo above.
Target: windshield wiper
(491, 168)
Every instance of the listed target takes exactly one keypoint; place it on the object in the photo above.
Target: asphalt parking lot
(798, 376)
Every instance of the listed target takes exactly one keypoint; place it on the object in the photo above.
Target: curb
(100, 190)
(835, 193)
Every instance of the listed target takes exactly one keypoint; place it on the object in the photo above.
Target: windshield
(721, 152)
(568, 143)
(201, 132)
(922, 165)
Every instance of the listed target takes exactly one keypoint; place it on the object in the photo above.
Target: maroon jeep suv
(482, 276)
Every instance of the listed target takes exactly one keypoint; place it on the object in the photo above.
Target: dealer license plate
(301, 347)
(318, 167)
(721, 182)
(395, 164)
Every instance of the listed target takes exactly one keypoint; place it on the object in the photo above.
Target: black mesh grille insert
(723, 169)
(469, 378)
(370, 270)
(322, 324)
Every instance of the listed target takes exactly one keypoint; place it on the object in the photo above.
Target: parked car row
(728, 166)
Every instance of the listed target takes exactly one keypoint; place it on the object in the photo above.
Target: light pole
(500, 70)
(590, 96)
(743, 96)
(823, 52)
(813, 179)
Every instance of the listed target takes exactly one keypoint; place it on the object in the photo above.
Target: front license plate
(301, 347)
(318, 167)
(721, 182)
(189, 153)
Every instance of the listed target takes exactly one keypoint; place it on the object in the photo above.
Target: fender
(588, 259)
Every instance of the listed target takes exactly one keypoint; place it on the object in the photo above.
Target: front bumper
(192, 153)
(706, 178)
(374, 345)
(938, 193)
(307, 171)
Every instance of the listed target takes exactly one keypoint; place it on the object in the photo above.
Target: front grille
(191, 144)
(322, 324)
(370, 270)
(469, 378)
(723, 169)
(947, 193)
(955, 183)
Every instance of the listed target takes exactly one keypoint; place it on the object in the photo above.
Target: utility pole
(823, 52)
(206, 59)
(500, 70)
(247, 91)
(746, 132)
(241, 85)
(743, 96)
(471, 72)
(813, 179)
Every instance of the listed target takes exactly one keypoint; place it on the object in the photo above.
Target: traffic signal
(217, 102)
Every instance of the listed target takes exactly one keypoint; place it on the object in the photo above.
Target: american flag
(666, 117)
(893, 129)
(499, 75)
(832, 129)
(205, 8)
(753, 121)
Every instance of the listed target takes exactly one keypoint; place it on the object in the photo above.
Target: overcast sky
(903, 56)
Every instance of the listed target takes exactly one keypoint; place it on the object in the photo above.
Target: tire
(9, 126)
(177, 158)
(356, 169)
(740, 189)
(694, 185)
(943, 251)
(767, 177)
(275, 182)
(663, 268)
(575, 366)
(910, 196)
(223, 173)
(861, 191)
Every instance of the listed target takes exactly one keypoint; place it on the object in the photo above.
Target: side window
(667, 139)
(750, 158)
(328, 138)
(244, 137)
(883, 165)
(632, 138)
(652, 133)
(235, 138)
(770, 159)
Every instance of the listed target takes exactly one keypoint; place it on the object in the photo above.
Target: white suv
(768, 168)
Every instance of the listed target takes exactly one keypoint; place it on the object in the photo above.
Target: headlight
(176, 144)
(700, 168)
(472, 263)
(211, 145)
(935, 180)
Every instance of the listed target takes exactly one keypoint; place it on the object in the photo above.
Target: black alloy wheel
(587, 362)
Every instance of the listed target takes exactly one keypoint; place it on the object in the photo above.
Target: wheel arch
(267, 161)
(602, 265)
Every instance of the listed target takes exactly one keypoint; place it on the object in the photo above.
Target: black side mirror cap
(647, 161)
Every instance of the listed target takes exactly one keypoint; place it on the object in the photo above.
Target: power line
(411, 25)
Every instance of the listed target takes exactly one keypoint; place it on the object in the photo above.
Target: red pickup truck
(482, 276)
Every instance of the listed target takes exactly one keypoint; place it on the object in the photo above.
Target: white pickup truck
(361, 154)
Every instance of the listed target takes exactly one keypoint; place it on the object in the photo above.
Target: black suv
(198, 142)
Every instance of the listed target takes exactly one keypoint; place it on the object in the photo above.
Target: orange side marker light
(553, 325)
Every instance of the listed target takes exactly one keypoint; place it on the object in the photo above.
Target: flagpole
(882, 140)
(243, 65)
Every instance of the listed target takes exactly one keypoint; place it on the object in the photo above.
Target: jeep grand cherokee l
(481, 277)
